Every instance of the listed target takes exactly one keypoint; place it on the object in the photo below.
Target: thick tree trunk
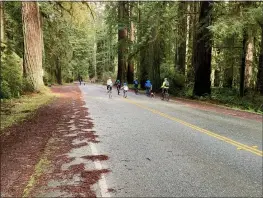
(243, 64)
(32, 45)
(181, 44)
(202, 60)
(130, 71)
(142, 66)
(192, 32)
(122, 37)
(249, 63)
(260, 66)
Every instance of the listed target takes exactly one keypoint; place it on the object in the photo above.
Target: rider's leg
(147, 90)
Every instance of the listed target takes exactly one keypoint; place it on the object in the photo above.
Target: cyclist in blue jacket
(148, 86)
(136, 84)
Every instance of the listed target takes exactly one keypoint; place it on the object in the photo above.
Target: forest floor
(42, 143)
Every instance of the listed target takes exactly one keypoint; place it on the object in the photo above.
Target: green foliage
(106, 75)
(47, 78)
(230, 97)
(176, 80)
(76, 43)
(11, 73)
(13, 27)
(91, 71)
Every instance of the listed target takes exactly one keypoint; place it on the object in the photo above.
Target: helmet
(109, 77)
(165, 78)
(118, 80)
(124, 83)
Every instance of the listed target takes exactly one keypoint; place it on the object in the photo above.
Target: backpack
(167, 84)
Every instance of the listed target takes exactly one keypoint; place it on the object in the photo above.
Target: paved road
(166, 149)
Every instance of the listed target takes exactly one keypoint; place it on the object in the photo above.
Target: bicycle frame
(165, 94)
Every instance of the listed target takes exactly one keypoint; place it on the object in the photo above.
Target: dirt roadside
(35, 153)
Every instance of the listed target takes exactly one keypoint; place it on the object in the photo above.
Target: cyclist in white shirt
(109, 84)
(125, 89)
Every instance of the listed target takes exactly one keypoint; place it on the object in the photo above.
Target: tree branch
(91, 11)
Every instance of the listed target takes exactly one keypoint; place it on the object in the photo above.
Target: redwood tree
(260, 65)
(2, 21)
(202, 53)
(181, 41)
(130, 70)
(32, 45)
(122, 38)
(243, 64)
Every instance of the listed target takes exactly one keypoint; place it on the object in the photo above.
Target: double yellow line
(240, 146)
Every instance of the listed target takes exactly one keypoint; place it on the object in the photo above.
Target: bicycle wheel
(124, 94)
(162, 97)
(167, 97)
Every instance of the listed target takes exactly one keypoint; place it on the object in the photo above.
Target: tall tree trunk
(243, 64)
(202, 60)
(130, 71)
(143, 53)
(217, 78)
(228, 77)
(228, 74)
(99, 59)
(122, 37)
(2, 31)
(260, 66)
(58, 71)
(192, 35)
(188, 36)
(32, 45)
(249, 62)
(181, 43)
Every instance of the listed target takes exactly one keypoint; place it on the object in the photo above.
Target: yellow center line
(239, 145)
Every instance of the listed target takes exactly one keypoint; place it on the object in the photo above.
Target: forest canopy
(205, 49)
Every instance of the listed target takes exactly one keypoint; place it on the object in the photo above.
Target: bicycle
(125, 93)
(165, 94)
(136, 90)
(110, 92)
(118, 89)
(148, 91)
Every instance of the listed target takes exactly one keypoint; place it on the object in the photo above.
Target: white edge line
(102, 182)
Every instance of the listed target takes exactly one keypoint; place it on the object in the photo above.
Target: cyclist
(165, 87)
(125, 89)
(148, 86)
(136, 84)
(118, 84)
(109, 84)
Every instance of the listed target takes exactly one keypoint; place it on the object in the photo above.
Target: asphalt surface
(152, 155)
